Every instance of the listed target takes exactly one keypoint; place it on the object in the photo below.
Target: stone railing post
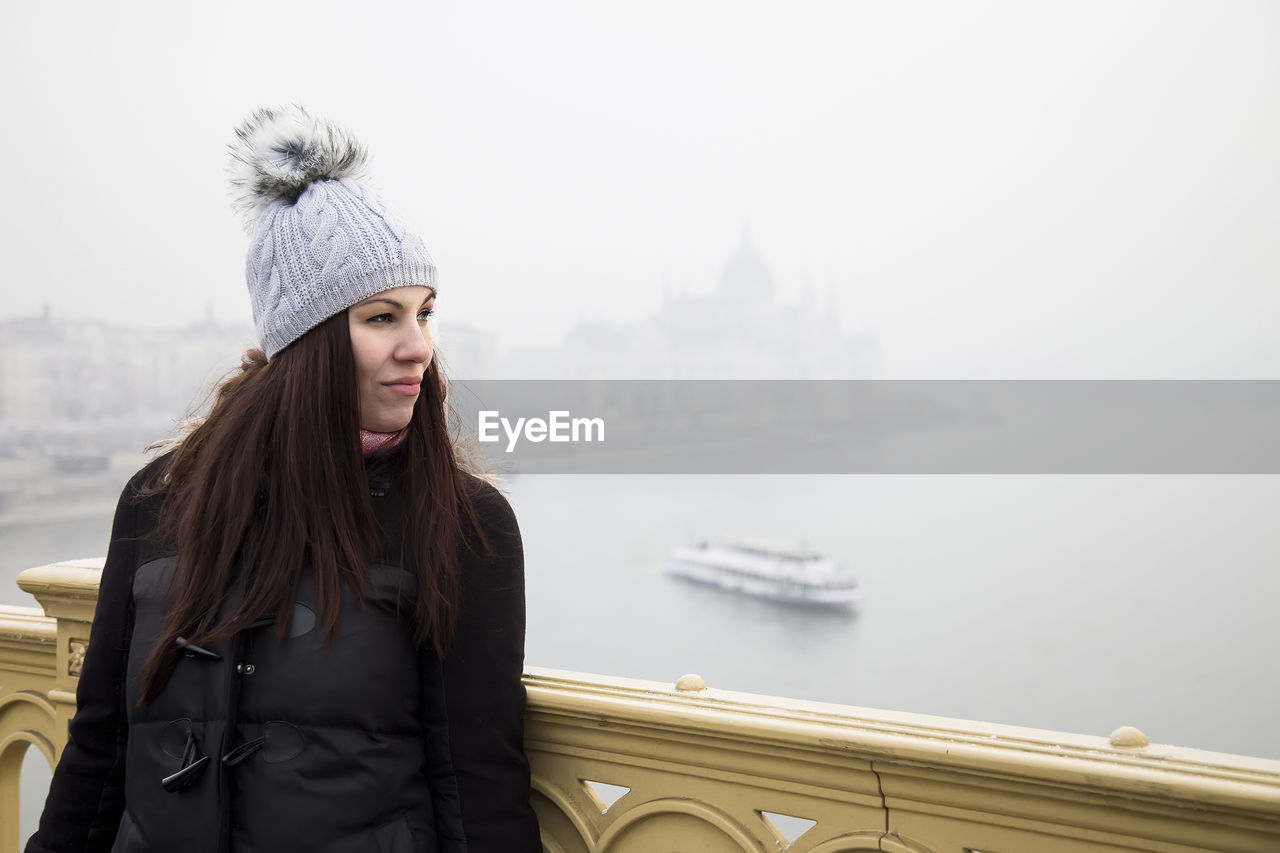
(67, 592)
(40, 659)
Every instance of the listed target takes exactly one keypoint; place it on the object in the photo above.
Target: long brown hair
(273, 480)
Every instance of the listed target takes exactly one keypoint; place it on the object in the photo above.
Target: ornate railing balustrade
(637, 767)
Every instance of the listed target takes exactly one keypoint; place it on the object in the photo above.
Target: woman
(310, 626)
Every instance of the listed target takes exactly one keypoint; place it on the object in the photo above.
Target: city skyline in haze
(992, 190)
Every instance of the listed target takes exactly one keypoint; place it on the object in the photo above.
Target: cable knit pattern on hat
(321, 240)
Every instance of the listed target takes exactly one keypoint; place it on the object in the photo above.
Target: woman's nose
(416, 345)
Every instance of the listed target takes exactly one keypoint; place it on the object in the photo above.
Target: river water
(1060, 602)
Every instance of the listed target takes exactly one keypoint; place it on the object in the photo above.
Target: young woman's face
(392, 346)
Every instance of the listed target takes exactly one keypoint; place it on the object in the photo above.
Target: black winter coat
(259, 746)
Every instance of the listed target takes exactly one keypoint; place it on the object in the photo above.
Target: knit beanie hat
(320, 239)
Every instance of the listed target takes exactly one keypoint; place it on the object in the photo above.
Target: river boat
(776, 571)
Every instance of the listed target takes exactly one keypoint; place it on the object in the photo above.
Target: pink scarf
(371, 442)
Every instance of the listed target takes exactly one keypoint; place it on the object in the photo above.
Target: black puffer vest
(255, 745)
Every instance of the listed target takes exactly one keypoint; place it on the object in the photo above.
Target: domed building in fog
(738, 330)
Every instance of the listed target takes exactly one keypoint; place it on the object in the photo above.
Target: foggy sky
(1075, 189)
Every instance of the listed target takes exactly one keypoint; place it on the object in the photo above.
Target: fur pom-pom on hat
(280, 151)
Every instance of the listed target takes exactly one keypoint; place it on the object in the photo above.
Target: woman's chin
(387, 424)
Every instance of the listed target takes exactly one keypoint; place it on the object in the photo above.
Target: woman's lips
(407, 387)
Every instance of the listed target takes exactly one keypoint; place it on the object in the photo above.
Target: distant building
(464, 351)
(86, 386)
(738, 331)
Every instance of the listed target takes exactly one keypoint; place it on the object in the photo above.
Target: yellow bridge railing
(624, 766)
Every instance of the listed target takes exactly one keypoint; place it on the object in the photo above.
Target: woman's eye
(426, 314)
(381, 318)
